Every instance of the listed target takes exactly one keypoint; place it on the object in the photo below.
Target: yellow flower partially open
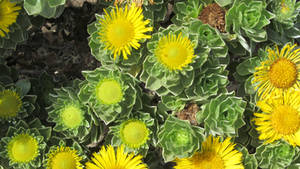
(10, 104)
(64, 158)
(174, 52)
(213, 155)
(122, 29)
(8, 15)
(22, 148)
(109, 91)
(280, 118)
(134, 133)
(280, 72)
(109, 159)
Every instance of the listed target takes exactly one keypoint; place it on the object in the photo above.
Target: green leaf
(23, 86)
(223, 3)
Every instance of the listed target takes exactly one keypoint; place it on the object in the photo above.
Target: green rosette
(222, 115)
(47, 9)
(161, 78)
(179, 139)
(210, 38)
(15, 100)
(72, 118)
(249, 160)
(285, 26)
(135, 133)
(24, 145)
(109, 93)
(248, 18)
(276, 155)
(17, 34)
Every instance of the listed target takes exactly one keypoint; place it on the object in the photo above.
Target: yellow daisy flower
(63, 158)
(8, 15)
(213, 155)
(109, 159)
(174, 52)
(121, 29)
(280, 118)
(280, 72)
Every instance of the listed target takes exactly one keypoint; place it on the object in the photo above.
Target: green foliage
(47, 9)
(223, 115)
(276, 155)
(179, 139)
(248, 19)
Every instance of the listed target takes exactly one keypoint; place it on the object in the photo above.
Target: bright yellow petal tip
(8, 15)
(22, 148)
(134, 133)
(10, 104)
(279, 72)
(174, 52)
(122, 29)
(213, 155)
(280, 118)
(63, 158)
(107, 158)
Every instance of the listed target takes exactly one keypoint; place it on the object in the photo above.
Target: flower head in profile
(8, 15)
(280, 118)
(214, 154)
(63, 158)
(279, 72)
(107, 158)
(174, 51)
(122, 29)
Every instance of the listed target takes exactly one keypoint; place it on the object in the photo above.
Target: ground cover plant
(149, 84)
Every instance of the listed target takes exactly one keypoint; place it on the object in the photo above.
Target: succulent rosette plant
(24, 145)
(277, 155)
(249, 160)
(222, 115)
(116, 38)
(13, 27)
(284, 28)
(47, 9)
(179, 139)
(135, 133)
(15, 102)
(175, 65)
(248, 18)
(72, 118)
(110, 93)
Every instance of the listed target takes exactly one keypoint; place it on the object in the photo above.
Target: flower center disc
(109, 91)
(72, 116)
(63, 160)
(134, 133)
(10, 103)
(120, 33)
(209, 160)
(286, 120)
(213, 15)
(23, 148)
(283, 73)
